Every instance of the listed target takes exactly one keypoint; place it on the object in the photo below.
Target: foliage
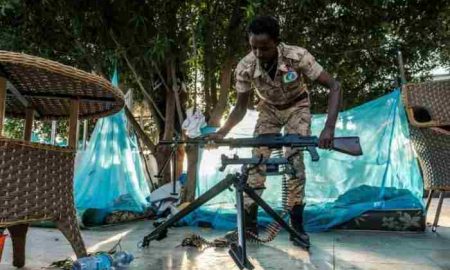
(193, 43)
(358, 41)
(13, 128)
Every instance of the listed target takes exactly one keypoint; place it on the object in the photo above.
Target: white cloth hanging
(193, 123)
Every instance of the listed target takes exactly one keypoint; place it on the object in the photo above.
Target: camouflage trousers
(295, 120)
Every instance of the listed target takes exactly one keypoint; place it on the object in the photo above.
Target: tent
(339, 187)
(109, 175)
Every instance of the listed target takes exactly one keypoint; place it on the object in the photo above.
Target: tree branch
(136, 76)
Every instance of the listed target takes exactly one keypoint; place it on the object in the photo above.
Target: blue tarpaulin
(339, 187)
(109, 175)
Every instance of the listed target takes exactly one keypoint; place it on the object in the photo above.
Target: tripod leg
(241, 221)
(174, 170)
(251, 193)
(239, 252)
(166, 162)
(159, 232)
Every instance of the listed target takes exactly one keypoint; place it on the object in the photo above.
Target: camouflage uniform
(280, 107)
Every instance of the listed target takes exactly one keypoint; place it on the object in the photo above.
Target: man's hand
(219, 135)
(326, 138)
(210, 138)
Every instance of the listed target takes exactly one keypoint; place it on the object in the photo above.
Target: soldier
(276, 71)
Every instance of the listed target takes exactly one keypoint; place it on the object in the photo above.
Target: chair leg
(72, 233)
(430, 196)
(18, 236)
(438, 211)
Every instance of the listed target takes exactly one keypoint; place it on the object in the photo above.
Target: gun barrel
(347, 145)
(167, 142)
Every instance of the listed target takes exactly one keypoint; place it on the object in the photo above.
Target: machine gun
(238, 249)
(347, 145)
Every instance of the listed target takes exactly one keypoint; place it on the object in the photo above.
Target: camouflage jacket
(293, 64)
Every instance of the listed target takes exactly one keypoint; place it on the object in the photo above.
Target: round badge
(290, 76)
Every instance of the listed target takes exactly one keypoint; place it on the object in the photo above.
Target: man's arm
(235, 117)
(327, 134)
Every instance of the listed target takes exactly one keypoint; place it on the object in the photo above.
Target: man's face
(263, 47)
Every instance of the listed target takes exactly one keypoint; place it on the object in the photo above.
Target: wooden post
(2, 102)
(73, 122)
(85, 133)
(53, 134)
(29, 118)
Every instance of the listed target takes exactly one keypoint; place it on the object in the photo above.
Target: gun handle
(347, 145)
(313, 152)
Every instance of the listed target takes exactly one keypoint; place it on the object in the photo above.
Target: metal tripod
(238, 251)
(173, 158)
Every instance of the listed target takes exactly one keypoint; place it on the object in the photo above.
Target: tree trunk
(207, 82)
(225, 84)
(209, 56)
(232, 45)
(181, 155)
(163, 152)
(188, 194)
(213, 88)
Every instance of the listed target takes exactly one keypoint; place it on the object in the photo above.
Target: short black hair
(265, 25)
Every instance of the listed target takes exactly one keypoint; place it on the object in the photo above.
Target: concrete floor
(330, 250)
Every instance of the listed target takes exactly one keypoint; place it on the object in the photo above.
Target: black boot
(251, 219)
(251, 223)
(296, 215)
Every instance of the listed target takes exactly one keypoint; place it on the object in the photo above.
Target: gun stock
(347, 145)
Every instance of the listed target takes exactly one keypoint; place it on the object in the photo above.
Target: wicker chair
(433, 148)
(427, 103)
(36, 180)
(429, 118)
(36, 183)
